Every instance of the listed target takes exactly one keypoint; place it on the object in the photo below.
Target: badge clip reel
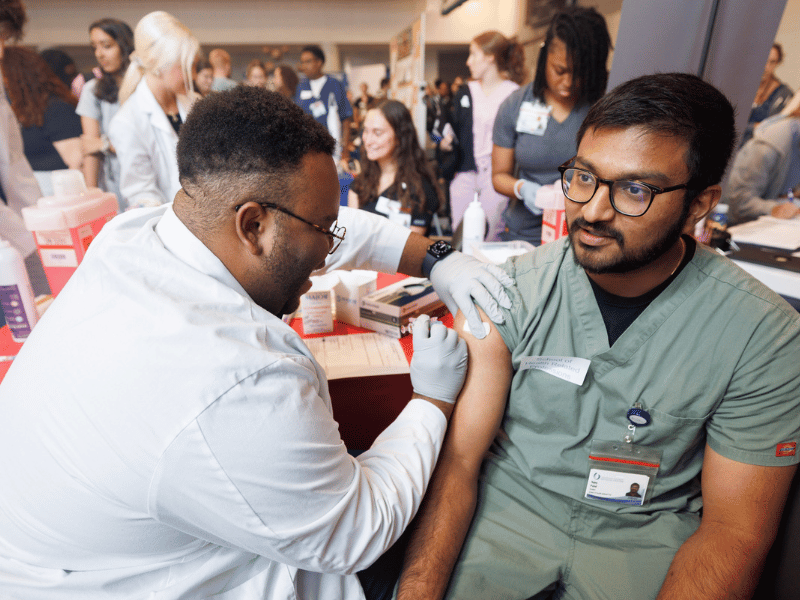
(623, 472)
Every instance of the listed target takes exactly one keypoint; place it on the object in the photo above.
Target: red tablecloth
(363, 406)
(8, 347)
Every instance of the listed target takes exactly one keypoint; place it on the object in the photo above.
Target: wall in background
(350, 30)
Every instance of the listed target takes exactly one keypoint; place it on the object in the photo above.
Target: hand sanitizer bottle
(474, 226)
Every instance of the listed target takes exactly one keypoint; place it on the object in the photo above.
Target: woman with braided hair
(535, 127)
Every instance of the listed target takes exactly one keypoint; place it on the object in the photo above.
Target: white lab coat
(163, 437)
(145, 143)
(17, 179)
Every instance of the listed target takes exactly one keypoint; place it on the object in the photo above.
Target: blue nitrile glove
(528, 191)
(460, 278)
(439, 364)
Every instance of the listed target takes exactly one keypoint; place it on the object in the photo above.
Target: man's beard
(590, 257)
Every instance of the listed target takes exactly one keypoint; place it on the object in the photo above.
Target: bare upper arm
(745, 498)
(480, 407)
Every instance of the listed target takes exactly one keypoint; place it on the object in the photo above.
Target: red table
(363, 406)
(8, 347)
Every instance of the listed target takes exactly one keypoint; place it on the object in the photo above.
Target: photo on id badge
(617, 486)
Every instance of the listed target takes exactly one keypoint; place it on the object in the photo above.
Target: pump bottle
(474, 226)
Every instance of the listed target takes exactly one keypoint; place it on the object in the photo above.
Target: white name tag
(318, 109)
(306, 95)
(532, 118)
(386, 206)
(403, 219)
(568, 368)
(465, 101)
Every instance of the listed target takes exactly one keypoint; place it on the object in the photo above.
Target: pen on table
(7, 358)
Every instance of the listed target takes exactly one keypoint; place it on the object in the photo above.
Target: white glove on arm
(460, 278)
(439, 364)
(527, 193)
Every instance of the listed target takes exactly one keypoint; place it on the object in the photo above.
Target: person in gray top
(536, 125)
(765, 169)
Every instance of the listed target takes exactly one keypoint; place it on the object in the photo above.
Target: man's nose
(599, 208)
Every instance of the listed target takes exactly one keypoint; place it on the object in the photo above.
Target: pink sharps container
(64, 224)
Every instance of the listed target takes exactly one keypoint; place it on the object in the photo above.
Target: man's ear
(254, 227)
(702, 205)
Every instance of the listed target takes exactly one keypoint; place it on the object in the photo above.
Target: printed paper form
(769, 231)
(359, 355)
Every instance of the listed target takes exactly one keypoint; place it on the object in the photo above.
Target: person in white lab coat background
(183, 445)
(155, 97)
(18, 186)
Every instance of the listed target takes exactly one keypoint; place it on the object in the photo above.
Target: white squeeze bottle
(16, 294)
(474, 226)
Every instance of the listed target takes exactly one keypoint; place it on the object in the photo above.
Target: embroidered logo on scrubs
(786, 449)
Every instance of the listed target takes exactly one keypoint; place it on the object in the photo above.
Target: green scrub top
(714, 358)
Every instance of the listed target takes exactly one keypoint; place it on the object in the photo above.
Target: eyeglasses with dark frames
(335, 233)
(628, 197)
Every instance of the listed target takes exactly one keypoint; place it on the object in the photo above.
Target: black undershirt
(176, 121)
(619, 312)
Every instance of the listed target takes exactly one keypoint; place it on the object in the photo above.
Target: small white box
(352, 286)
(317, 306)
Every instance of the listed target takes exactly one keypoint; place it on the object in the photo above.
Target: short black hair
(245, 136)
(315, 50)
(585, 34)
(675, 104)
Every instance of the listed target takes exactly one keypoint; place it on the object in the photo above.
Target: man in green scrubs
(632, 354)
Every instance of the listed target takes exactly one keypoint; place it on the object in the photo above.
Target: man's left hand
(460, 280)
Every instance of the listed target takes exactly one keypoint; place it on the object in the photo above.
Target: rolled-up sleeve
(372, 242)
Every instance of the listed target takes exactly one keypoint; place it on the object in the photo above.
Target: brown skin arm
(439, 529)
(742, 507)
(503, 179)
(413, 254)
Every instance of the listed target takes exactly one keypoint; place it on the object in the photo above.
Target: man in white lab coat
(166, 435)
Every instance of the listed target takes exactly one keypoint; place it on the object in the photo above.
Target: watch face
(440, 249)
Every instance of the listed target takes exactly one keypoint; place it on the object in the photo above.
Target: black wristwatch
(436, 252)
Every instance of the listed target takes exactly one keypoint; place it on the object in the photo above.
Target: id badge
(401, 218)
(622, 472)
(318, 109)
(533, 118)
(386, 206)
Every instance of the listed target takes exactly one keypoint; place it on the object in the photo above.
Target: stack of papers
(770, 232)
(359, 355)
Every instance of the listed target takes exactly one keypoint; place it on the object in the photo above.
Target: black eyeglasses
(335, 233)
(629, 198)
